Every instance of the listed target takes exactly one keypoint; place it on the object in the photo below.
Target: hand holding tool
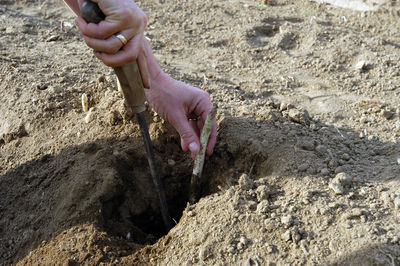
(132, 88)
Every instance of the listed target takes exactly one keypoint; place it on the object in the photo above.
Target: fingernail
(193, 147)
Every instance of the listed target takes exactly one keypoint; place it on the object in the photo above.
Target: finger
(144, 71)
(128, 53)
(189, 138)
(102, 31)
(110, 45)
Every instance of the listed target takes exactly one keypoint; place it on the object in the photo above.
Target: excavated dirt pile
(306, 169)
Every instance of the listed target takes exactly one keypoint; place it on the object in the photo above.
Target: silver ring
(122, 39)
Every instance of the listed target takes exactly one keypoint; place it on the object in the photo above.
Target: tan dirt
(305, 170)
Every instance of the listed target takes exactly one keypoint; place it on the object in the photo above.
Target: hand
(176, 103)
(122, 17)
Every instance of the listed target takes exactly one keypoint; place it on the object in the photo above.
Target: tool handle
(128, 75)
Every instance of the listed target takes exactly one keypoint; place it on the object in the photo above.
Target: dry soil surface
(306, 167)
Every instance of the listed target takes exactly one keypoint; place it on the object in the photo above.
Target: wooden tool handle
(129, 74)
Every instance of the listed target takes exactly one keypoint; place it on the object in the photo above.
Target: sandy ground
(305, 170)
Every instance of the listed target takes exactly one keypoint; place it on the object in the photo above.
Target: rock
(243, 240)
(337, 188)
(53, 38)
(306, 145)
(299, 116)
(262, 207)
(262, 192)
(251, 262)
(171, 162)
(387, 114)
(343, 179)
(245, 182)
(287, 220)
(321, 149)
(397, 203)
(325, 171)
(11, 130)
(205, 253)
(303, 167)
(286, 236)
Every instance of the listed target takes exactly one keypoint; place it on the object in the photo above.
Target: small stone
(245, 182)
(299, 116)
(232, 250)
(325, 171)
(190, 213)
(303, 167)
(321, 149)
(262, 192)
(387, 114)
(397, 203)
(205, 253)
(262, 207)
(12, 130)
(243, 240)
(171, 162)
(337, 188)
(286, 236)
(356, 212)
(343, 179)
(53, 38)
(287, 220)
(239, 246)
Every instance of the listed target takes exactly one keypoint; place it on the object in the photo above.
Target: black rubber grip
(91, 12)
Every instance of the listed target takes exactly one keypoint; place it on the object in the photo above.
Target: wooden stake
(199, 161)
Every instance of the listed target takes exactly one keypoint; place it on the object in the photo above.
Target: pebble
(262, 192)
(243, 240)
(387, 114)
(343, 179)
(205, 252)
(325, 171)
(251, 262)
(12, 131)
(286, 236)
(171, 162)
(53, 38)
(337, 188)
(262, 207)
(397, 203)
(232, 250)
(303, 167)
(299, 116)
(245, 182)
(287, 220)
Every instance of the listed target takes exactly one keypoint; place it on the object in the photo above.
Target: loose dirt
(306, 166)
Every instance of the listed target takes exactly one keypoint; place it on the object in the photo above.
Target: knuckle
(113, 49)
(131, 57)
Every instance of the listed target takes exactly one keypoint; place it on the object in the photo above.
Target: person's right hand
(122, 17)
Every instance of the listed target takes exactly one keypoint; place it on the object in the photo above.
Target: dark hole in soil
(133, 211)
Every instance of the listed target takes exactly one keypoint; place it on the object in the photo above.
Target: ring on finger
(122, 39)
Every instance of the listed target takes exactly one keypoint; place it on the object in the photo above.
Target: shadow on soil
(107, 182)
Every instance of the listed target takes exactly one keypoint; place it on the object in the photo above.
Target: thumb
(189, 138)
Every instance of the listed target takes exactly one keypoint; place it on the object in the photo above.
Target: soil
(306, 167)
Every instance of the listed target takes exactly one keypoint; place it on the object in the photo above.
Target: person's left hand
(185, 108)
